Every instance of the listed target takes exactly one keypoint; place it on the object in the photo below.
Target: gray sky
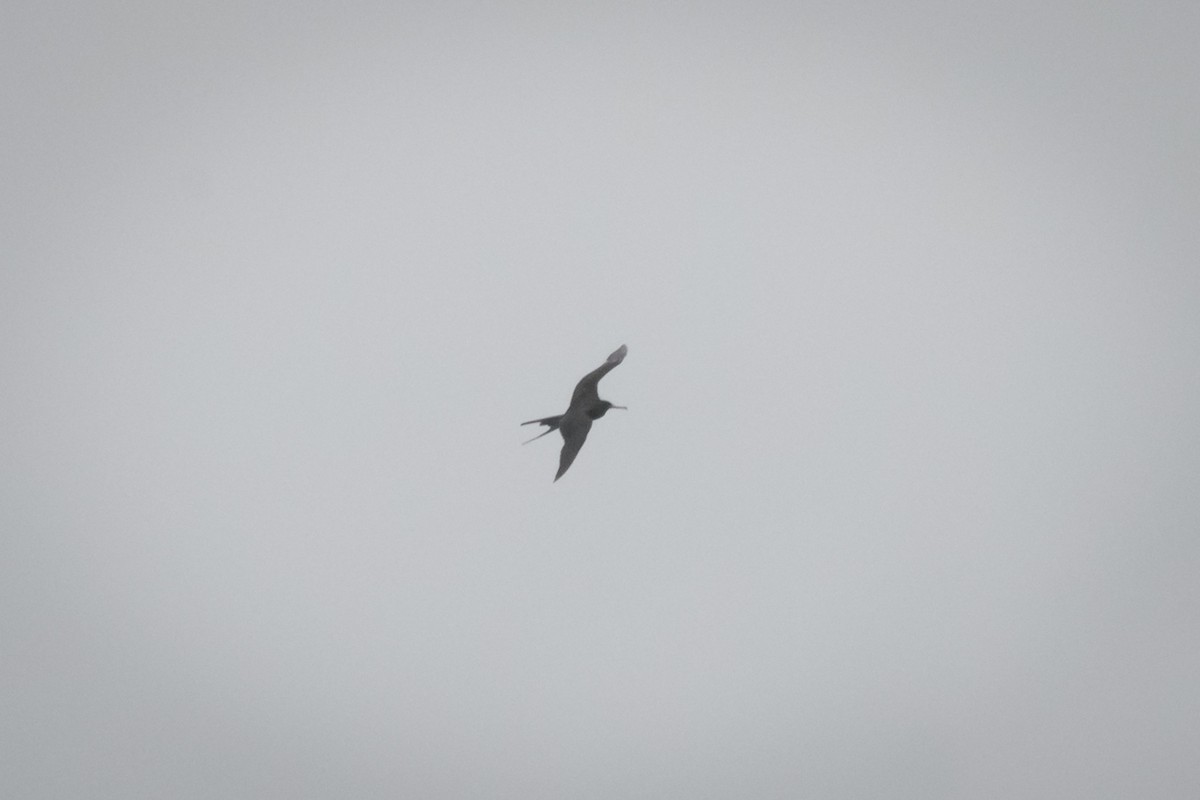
(904, 506)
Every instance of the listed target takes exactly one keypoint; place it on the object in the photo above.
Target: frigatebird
(586, 406)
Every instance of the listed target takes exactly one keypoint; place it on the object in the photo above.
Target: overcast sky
(905, 503)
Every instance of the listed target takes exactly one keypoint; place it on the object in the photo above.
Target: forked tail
(551, 424)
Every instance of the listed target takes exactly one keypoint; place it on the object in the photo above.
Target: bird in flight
(586, 406)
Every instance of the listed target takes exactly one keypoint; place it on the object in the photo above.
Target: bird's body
(586, 406)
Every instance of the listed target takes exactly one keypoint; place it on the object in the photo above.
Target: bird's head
(600, 409)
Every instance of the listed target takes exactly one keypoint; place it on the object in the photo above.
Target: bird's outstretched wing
(574, 434)
(585, 390)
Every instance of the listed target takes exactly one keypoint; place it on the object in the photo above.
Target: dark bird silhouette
(586, 406)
